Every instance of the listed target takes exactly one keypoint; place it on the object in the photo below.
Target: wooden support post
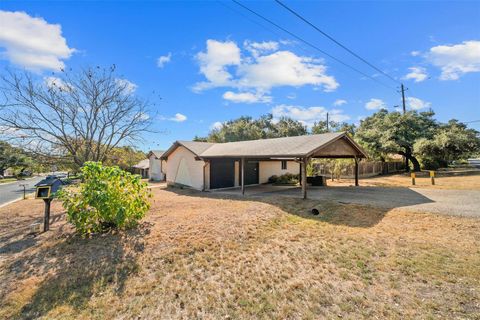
(432, 177)
(300, 174)
(413, 178)
(46, 218)
(304, 178)
(242, 177)
(356, 172)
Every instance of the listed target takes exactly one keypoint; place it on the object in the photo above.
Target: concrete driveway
(452, 202)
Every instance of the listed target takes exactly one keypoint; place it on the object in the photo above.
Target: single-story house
(156, 165)
(142, 168)
(206, 166)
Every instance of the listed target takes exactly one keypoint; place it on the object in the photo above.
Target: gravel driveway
(452, 202)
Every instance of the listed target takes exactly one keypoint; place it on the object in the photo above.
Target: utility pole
(327, 123)
(403, 98)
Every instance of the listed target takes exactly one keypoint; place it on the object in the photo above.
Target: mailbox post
(45, 190)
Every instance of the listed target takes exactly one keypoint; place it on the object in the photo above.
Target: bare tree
(79, 116)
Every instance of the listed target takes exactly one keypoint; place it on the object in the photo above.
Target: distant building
(156, 165)
(142, 168)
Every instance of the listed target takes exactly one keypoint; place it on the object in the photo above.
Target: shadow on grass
(78, 268)
(18, 239)
(330, 212)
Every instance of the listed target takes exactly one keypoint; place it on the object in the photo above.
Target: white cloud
(216, 126)
(257, 48)
(128, 86)
(31, 42)
(456, 60)
(308, 115)
(284, 68)
(57, 83)
(214, 62)
(142, 116)
(418, 74)
(246, 97)
(178, 117)
(339, 102)
(416, 103)
(375, 104)
(163, 60)
(222, 65)
(291, 96)
(415, 53)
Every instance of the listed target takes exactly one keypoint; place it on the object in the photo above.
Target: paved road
(452, 202)
(13, 191)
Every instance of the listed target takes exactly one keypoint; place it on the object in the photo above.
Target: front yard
(207, 256)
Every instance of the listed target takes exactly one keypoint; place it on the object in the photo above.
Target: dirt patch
(207, 256)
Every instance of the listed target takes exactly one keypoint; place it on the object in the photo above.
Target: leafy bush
(107, 198)
(287, 178)
(273, 179)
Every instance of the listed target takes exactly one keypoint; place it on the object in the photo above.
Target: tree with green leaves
(11, 157)
(125, 157)
(452, 141)
(247, 128)
(333, 126)
(416, 135)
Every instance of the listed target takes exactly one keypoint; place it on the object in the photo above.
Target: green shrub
(107, 198)
(287, 178)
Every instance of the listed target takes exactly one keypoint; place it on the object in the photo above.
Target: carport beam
(356, 172)
(304, 178)
(242, 168)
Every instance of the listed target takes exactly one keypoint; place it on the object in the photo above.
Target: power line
(335, 41)
(309, 44)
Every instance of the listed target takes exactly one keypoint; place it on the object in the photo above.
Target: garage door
(251, 172)
(222, 173)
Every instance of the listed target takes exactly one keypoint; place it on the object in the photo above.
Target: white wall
(270, 168)
(156, 171)
(182, 168)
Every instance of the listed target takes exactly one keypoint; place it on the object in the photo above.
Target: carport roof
(287, 147)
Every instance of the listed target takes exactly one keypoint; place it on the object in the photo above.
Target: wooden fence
(365, 168)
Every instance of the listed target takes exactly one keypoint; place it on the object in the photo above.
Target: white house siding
(155, 172)
(183, 169)
(270, 168)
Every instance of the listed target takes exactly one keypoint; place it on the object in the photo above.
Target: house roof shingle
(297, 146)
(144, 164)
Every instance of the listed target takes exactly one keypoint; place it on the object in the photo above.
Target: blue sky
(220, 62)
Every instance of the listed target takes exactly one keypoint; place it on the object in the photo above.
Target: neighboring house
(205, 166)
(142, 168)
(157, 165)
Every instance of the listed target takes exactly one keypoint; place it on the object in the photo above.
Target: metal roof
(298, 146)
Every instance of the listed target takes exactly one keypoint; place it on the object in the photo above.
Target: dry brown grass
(198, 256)
(470, 182)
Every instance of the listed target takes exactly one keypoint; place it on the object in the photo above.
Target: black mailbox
(47, 187)
(45, 190)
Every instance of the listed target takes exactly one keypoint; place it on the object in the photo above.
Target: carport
(300, 149)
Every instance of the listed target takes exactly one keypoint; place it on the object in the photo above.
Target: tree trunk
(416, 164)
(409, 157)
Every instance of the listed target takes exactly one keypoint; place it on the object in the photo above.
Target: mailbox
(45, 190)
(47, 187)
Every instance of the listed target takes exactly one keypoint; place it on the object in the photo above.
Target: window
(284, 164)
